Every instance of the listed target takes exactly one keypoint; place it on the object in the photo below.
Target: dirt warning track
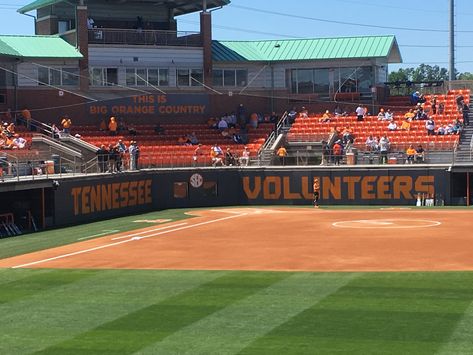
(289, 239)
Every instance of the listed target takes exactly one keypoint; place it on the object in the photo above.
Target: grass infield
(109, 312)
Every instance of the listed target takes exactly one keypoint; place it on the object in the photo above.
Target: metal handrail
(273, 135)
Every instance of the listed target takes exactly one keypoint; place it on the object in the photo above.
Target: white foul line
(105, 232)
(126, 241)
(71, 254)
(150, 230)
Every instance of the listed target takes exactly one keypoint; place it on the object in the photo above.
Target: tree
(465, 76)
(401, 75)
(423, 72)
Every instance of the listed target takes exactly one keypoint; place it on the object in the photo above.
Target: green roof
(38, 4)
(37, 47)
(308, 49)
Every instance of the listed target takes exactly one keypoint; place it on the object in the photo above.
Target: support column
(83, 46)
(206, 34)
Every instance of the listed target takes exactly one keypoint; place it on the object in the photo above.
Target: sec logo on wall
(196, 180)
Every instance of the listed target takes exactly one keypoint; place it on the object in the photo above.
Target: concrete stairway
(464, 154)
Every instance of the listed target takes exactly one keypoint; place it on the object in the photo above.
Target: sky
(421, 27)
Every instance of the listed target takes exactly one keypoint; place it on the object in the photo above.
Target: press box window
(181, 190)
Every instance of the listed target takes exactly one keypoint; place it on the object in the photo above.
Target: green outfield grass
(115, 312)
(222, 312)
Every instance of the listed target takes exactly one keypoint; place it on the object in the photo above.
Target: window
(230, 77)
(147, 77)
(321, 81)
(104, 76)
(190, 77)
(58, 76)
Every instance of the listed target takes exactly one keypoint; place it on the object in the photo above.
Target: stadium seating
(159, 150)
(311, 129)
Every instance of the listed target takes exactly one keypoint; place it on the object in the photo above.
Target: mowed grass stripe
(55, 315)
(461, 340)
(157, 321)
(15, 290)
(400, 314)
(234, 327)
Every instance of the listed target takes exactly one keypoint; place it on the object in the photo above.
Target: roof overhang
(38, 4)
(181, 7)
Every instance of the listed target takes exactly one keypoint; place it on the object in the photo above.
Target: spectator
(11, 130)
(406, 124)
(441, 109)
(441, 130)
(19, 142)
(282, 154)
(212, 123)
(304, 113)
(410, 115)
(347, 135)
(121, 147)
(392, 126)
(274, 118)
(381, 115)
(371, 144)
(291, 116)
(113, 126)
(197, 154)
(134, 151)
(466, 114)
(338, 111)
(216, 155)
(360, 113)
(325, 117)
(102, 158)
(415, 98)
(337, 150)
(112, 158)
(192, 138)
(384, 145)
(430, 126)
(460, 100)
(222, 125)
(245, 157)
(66, 123)
(55, 131)
(420, 154)
(253, 120)
(410, 153)
(325, 153)
(183, 140)
(90, 22)
(433, 105)
(26, 114)
(229, 157)
(103, 125)
(388, 116)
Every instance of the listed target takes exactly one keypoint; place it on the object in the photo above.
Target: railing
(13, 168)
(274, 134)
(144, 37)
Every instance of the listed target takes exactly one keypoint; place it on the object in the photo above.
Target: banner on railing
(155, 105)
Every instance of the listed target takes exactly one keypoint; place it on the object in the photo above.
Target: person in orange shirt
(282, 154)
(112, 126)
(410, 152)
(66, 123)
(406, 124)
